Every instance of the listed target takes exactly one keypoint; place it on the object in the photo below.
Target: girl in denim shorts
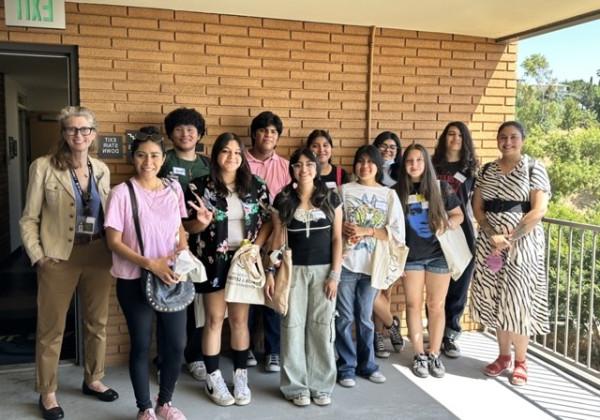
(429, 209)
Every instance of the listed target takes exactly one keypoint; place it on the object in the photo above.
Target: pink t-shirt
(274, 171)
(160, 214)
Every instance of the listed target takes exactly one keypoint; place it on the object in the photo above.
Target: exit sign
(35, 13)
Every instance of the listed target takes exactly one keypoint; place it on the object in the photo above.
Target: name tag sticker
(178, 171)
(331, 185)
(460, 177)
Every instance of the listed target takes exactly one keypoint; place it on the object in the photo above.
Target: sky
(573, 53)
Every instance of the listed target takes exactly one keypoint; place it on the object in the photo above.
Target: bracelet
(270, 269)
(334, 275)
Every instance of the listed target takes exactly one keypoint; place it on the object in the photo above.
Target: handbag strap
(134, 211)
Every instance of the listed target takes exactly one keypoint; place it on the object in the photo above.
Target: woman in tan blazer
(62, 232)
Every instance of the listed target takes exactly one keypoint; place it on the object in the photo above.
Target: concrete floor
(464, 393)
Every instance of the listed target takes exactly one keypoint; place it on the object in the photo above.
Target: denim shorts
(435, 265)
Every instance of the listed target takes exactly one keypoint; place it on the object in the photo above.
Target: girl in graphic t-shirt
(371, 210)
(429, 208)
(455, 162)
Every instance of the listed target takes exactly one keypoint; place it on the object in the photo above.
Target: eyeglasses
(145, 136)
(309, 165)
(84, 131)
(388, 147)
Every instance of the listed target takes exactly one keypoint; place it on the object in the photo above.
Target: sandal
(498, 366)
(519, 375)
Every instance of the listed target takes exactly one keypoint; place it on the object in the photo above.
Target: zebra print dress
(515, 298)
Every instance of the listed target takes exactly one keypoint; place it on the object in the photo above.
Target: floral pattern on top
(211, 246)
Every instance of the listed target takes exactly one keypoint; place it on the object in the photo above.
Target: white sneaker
(322, 399)
(301, 400)
(197, 370)
(347, 382)
(241, 392)
(216, 389)
(377, 377)
(251, 359)
(272, 363)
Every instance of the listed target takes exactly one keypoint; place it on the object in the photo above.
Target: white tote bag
(388, 261)
(246, 277)
(456, 251)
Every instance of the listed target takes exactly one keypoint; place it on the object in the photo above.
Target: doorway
(36, 82)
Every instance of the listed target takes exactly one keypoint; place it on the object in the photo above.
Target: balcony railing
(573, 287)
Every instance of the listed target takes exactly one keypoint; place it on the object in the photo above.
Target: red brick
(432, 71)
(150, 56)
(156, 35)
(226, 51)
(34, 37)
(227, 71)
(196, 17)
(241, 20)
(134, 22)
(226, 30)
(240, 41)
(322, 27)
(282, 24)
(95, 9)
(319, 46)
(269, 33)
(310, 56)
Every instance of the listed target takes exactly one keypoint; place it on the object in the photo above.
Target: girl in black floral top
(225, 208)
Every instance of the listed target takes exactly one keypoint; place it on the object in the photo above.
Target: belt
(83, 239)
(500, 206)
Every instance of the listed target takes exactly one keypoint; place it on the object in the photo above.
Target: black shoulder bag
(160, 296)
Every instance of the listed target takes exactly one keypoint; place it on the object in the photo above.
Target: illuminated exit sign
(35, 13)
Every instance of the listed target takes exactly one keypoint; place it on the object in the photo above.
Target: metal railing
(573, 286)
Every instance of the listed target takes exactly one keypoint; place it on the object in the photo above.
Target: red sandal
(519, 375)
(498, 366)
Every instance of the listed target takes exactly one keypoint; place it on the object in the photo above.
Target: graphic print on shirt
(366, 211)
(418, 215)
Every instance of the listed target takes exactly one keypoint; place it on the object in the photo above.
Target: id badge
(178, 171)
(460, 177)
(86, 225)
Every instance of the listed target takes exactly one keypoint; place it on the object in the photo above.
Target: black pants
(456, 300)
(193, 348)
(139, 316)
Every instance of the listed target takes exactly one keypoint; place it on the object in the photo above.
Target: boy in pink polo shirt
(264, 162)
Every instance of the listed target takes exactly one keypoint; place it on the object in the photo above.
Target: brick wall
(4, 209)
(138, 64)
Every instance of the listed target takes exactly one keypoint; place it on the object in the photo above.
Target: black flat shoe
(108, 395)
(53, 413)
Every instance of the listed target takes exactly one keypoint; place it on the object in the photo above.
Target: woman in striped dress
(509, 290)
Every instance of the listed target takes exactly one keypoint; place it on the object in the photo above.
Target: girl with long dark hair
(455, 162)
(226, 207)
(311, 213)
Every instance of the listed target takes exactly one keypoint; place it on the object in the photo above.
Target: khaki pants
(307, 335)
(88, 271)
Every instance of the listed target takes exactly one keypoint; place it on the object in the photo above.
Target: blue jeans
(355, 299)
(436, 265)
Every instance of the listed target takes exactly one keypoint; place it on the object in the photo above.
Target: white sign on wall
(35, 13)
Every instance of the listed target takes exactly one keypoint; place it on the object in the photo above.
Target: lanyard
(86, 197)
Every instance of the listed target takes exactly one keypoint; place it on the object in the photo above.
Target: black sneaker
(450, 348)
(379, 345)
(395, 335)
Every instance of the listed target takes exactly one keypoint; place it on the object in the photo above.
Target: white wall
(12, 89)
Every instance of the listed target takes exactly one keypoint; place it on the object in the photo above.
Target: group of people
(332, 222)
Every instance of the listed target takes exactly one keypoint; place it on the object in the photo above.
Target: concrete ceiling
(496, 19)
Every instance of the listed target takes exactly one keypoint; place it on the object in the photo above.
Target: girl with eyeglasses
(372, 212)
(226, 207)
(311, 215)
(160, 211)
(388, 144)
(62, 233)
